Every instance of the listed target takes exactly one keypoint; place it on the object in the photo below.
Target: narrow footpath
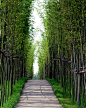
(38, 94)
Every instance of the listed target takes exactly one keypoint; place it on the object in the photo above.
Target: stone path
(38, 94)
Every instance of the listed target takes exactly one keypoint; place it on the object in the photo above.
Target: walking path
(38, 94)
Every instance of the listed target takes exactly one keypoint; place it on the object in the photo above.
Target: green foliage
(30, 60)
(63, 24)
(15, 41)
(38, 75)
(15, 27)
(65, 33)
(17, 90)
(43, 51)
(62, 97)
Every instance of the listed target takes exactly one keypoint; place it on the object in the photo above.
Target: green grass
(62, 97)
(17, 90)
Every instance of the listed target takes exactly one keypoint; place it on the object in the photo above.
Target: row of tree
(63, 58)
(15, 44)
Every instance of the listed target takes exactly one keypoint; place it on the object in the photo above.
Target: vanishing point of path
(38, 94)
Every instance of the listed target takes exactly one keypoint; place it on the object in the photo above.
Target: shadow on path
(38, 94)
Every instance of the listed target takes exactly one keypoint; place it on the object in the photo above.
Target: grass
(17, 90)
(62, 97)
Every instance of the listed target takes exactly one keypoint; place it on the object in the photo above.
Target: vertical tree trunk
(78, 92)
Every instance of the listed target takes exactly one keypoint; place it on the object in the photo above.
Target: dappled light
(43, 42)
(36, 94)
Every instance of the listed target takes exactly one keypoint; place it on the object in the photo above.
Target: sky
(36, 25)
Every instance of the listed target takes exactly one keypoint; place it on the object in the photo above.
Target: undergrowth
(63, 98)
(17, 90)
